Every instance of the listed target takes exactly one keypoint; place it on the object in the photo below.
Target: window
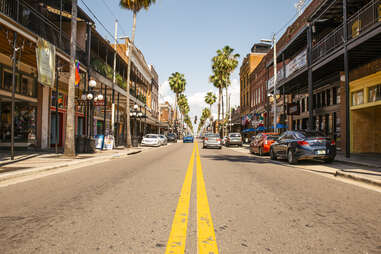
(318, 98)
(328, 97)
(334, 90)
(358, 98)
(323, 101)
(374, 93)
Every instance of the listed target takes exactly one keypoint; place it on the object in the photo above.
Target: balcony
(358, 24)
(38, 23)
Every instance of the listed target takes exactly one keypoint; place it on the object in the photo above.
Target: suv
(234, 139)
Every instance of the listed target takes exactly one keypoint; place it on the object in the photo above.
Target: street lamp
(136, 114)
(273, 42)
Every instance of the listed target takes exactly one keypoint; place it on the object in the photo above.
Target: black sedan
(303, 145)
(171, 137)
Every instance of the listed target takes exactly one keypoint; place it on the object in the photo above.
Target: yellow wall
(365, 119)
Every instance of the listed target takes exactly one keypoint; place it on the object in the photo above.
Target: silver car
(212, 140)
(163, 139)
(234, 139)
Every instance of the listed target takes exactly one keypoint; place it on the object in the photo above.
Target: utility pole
(114, 80)
(275, 80)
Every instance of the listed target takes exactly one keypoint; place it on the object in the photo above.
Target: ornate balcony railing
(357, 24)
(38, 23)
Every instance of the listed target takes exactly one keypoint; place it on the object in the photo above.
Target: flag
(77, 76)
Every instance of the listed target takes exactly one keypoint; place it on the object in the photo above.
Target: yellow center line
(206, 239)
(177, 237)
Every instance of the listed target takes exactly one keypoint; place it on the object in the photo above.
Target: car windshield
(171, 135)
(235, 135)
(212, 136)
(150, 136)
(308, 134)
(162, 136)
(189, 136)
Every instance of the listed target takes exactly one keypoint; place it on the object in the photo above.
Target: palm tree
(230, 64)
(223, 64)
(210, 98)
(177, 83)
(135, 6)
(69, 149)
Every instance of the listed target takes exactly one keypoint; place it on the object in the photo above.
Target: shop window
(318, 100)
(25, 122)
(7, 84)
(336, 95)
(323, 99)
(358, 98)
(61, 99)
(328, 93)
(28, 87)
(374, 93)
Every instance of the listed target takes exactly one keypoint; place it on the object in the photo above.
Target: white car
(151, 140)
(163, 140)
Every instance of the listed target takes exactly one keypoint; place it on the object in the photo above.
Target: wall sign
(46, 62)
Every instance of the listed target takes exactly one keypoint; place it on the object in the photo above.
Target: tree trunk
(129, 50)
(210, 117)
(227, 109)
(69, 149)
(219, 109)
(175, 115)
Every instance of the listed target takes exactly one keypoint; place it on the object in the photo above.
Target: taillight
(333, 143)
(218, 139)
(303, 143)
(206, 139)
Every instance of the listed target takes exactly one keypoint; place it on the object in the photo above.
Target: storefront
(26, 109)
(365, 114)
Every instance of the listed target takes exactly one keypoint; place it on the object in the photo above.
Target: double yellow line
(206, 239)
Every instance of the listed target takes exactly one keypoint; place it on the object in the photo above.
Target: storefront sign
(293, 109)
(297, 63)
(109, 142)
(280, 76)
(46, 62)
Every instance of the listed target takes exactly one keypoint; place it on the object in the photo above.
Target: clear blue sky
(183, 35)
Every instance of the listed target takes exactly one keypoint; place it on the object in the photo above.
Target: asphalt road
(226, 200)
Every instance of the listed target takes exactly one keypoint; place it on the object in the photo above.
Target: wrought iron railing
(357, 24)
(37, 22)
(332, 41)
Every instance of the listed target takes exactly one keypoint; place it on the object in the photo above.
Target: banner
(46, 62)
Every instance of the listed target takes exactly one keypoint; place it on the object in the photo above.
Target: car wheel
(260, 151)
(272, 154)
(329, 160)
(291, 157)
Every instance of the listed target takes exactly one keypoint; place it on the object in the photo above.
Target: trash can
(135, 141)
(79, 144)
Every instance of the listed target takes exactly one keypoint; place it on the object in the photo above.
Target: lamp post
(136, 114)
(273, 41)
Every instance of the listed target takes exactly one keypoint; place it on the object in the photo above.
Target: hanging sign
(46, 62)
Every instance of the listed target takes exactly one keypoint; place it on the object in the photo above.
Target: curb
(357, 163)
(12, 175)
(338, 173)
(356, 178)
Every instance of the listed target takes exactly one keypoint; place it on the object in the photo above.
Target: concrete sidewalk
(365, 169)
(29, 163)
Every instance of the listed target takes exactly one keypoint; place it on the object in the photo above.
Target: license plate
(321, 152)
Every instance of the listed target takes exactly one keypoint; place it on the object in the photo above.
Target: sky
(183, 36)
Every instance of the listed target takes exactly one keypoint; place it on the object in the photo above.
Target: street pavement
(185, 199)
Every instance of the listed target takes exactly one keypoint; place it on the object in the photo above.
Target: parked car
(172, 137)
(234, 139)
(261, 143)
(163, 140)
(212, 140)
(188, 139)
(151, 140)
(303, 145)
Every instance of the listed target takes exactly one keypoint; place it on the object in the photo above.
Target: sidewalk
(27, 163)
(360, 167)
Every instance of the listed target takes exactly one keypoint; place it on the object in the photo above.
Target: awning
(248, 130)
